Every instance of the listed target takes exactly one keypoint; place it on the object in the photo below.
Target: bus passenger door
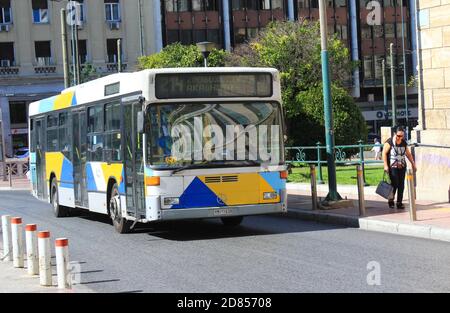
(79, 158)
(40, 159)
(133, 160)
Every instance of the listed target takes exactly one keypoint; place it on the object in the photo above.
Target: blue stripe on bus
(91, 185)
(274, 180)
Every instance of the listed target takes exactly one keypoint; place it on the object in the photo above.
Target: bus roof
(127, 83)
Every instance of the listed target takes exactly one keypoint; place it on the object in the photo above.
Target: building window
(111, 50)
(43, 53)
(40, 11)
(303, 4)
(389, 30)
(378, 66)
(82, 51)
(341, 31)
(368, 67)
(18, 112)
(340, 3)
(5, 12)
(82, 10)
(314, 4)
(6, 54)
(390, 3)
(366, 32)
(378, 31)
(178, 5)
(112, 10)
(399, 30)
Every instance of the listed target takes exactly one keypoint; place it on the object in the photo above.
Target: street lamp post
(205, 48)
(404, 64)
(394, 106)
(385, 102)
(333, 195)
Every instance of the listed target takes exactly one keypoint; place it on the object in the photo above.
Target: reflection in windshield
(231, 133)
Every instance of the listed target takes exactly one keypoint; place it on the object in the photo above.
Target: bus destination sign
(213, 85)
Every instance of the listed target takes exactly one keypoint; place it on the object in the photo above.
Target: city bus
(163, 144)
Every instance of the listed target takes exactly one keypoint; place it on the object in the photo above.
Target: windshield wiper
(216, 163)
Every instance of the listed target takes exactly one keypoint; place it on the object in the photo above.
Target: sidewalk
(433, 219)
(17, 280)
(19, 183)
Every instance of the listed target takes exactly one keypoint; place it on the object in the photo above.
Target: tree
(349, 124)
(178, 55)
(294, 49)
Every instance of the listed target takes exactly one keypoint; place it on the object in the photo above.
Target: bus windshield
(223, 134)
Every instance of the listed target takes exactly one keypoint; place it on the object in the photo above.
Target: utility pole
(385, 101)
(394, 107)
(141, 29)
(404, 68)
(74, 19)
(333, 195)
(76, 53)
(64, 48)
(119, 55)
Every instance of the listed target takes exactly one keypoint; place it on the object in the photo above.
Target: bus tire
(58, 210)
(121, 225)
(232, 221)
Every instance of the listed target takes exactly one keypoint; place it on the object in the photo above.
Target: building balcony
(44, 65)
(9, 70)
(113, 67)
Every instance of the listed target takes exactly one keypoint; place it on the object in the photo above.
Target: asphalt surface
(264, 254)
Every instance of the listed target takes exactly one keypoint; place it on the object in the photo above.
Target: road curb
(370, 224)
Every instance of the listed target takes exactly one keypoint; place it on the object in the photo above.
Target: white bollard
(7, 244)
(45, 265)
(32, 249)
(17, 242)
(62, 262)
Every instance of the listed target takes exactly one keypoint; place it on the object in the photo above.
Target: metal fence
(343, 155)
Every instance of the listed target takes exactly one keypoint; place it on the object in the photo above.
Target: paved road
(265, 254)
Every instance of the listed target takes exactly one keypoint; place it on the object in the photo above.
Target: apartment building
(231, 22)
(31, 58)
(30, 43)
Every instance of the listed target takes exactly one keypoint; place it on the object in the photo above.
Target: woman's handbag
(385, 189)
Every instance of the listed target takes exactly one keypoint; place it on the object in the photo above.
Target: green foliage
(178, 55)
(294, 48)
(88, 72)
(349, 124)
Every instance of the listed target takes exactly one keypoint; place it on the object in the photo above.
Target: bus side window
(95, 133)
(65, 139)
(32, 138)
(112, 132)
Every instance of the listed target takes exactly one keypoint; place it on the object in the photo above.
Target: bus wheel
(58, 209)
(121, 225)
(232, 221)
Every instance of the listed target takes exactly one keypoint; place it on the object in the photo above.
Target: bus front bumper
(194, 213)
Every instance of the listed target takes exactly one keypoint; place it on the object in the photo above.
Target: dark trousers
(397, 177)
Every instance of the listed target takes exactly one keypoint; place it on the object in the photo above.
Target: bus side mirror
(140, 122)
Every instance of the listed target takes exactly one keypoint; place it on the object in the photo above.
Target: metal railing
(14, 168)
(343, 155)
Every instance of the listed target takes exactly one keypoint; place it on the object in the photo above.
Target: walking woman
(395, 152)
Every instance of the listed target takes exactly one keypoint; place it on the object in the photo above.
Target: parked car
(22, 153)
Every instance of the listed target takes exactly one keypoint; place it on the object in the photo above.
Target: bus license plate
(220, 212)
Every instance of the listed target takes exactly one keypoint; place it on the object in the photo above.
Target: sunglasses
(399, 136)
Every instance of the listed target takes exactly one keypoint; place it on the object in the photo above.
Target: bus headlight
(270, 195)
(171, 201)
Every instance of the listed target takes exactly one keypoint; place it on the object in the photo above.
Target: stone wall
(433, 175)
